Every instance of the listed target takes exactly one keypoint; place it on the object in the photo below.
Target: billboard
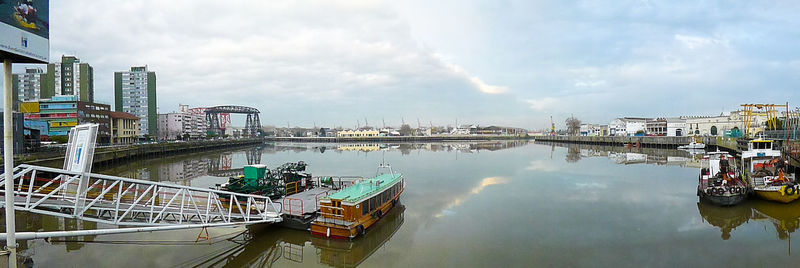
(25, 30)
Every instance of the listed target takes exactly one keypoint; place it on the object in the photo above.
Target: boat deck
(304, 202)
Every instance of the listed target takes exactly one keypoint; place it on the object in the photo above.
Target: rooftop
(356, 192)
(122, 115)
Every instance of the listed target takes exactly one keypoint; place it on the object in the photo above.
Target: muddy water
(465, 205)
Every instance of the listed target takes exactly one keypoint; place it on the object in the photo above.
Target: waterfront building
(124, 128)
(464, 130)
(593, 130)
(70, 77)
(64, 112)
(656, 127)
(135, 93)
(358, 133)
(27, 86)
(676, 127)
(722, 124)
(172, 126)
(627, 126)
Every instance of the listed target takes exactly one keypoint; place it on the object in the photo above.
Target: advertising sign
(80, 151)
(25, 30)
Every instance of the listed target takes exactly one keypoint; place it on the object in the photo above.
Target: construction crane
(751, 111)
(552, 127)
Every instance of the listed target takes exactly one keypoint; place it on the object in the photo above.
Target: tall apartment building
(27, 86)
(70, 77)
(135, 93)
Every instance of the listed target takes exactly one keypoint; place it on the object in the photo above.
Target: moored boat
(693, 145)
(351, 211)
(765, 170)
(719, 182)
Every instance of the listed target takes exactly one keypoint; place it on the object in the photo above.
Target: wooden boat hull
(776, 196)
(338, 231)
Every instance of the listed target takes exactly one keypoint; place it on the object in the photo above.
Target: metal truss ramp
(130, 202)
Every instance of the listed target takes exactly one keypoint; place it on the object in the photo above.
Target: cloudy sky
(336, 63)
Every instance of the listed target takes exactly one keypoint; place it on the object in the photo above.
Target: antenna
(384, 122)
(366, 124)
(418, 124)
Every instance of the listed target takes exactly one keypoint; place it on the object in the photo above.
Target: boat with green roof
(351, 211)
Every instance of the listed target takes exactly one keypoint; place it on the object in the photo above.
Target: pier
(145, 205)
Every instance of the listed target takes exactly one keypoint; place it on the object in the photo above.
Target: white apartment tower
(135, 93)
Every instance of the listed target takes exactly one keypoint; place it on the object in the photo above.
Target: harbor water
(470, 204)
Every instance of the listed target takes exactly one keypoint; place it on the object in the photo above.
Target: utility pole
(8, 161)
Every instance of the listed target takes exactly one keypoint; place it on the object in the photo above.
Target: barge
(351, 211)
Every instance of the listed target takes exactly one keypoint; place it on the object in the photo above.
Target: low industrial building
(656, 127)
(593, 130)
(627, 126)
(357, 133)
(676, 127)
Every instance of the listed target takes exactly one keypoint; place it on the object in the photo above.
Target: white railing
(130, 202)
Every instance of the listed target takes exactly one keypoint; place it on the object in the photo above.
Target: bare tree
(405, 130)
(573, 125)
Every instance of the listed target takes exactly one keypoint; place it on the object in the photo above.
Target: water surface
(480, 204)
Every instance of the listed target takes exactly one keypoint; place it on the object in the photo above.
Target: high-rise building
(135, 93)
(28, 85)
(69, 77)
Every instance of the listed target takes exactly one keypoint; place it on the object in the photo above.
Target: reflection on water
(476, 190)
(404, 148)
(264, 247)
(466, 204)
(627, 156)
(785, 218)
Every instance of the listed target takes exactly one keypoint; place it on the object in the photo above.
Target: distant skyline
(511, 63)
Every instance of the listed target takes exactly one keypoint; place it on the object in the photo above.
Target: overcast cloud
(486, 62)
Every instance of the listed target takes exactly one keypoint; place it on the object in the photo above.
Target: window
(364, 208)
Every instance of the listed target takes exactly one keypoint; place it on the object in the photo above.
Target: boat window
(364, 208)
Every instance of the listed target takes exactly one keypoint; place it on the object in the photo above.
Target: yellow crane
(552, 127)
(751, 111)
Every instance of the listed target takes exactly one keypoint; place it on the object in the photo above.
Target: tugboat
(765, 170)
(719, 182)
(349, 212)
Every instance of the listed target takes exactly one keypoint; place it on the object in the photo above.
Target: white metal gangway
(131, 202)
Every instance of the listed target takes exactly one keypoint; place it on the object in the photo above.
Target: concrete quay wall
(657, 142)
(399, 138)
(114, 153)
